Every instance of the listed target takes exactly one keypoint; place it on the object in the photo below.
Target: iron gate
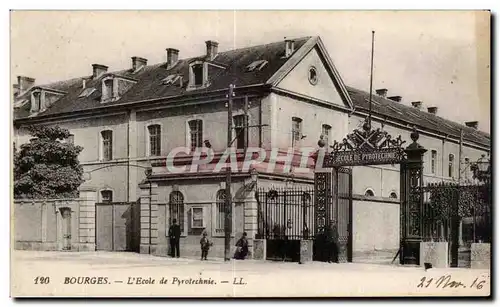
(458, 214)
(333, 204)
(344, 213)
(288, 215)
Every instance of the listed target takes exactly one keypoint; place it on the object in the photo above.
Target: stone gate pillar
(251, 222)
(87, 219)
(149, 218)
(411, 173)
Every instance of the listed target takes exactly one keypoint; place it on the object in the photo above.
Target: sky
(438, 57)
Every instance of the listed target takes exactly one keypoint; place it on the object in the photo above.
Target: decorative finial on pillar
(321, 142)
(367, 125)
(414, 135)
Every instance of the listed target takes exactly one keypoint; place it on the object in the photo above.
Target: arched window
(176, 208)
(106, 196)
(433, 161)
(369, 192)
(220, 204)
(393, 195)
(325, 131)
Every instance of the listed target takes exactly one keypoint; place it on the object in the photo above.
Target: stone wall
(38, 223)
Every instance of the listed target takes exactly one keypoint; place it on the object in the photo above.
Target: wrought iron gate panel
(323, 199)
(344, 213)
(285, 213)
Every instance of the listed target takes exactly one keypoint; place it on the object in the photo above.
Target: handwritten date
(446, 282)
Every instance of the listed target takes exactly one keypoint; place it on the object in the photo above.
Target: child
(205, 246)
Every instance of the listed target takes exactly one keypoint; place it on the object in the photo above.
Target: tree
(46, 167)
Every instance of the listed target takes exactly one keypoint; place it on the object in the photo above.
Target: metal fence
(286, 213)
(464, 209)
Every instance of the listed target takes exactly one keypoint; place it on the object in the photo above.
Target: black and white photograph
(250, 154)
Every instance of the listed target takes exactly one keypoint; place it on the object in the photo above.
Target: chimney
(172, 57)
(417, 104)
(25, 83)
(98, 70)
(381, 92)
(138, 63)
(432, 110)
(396, 98)
(212, 47)
(289, 47)
(473, 124)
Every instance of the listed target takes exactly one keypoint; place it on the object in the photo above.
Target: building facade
(287, 95)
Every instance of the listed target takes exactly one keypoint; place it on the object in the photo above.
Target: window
(37, 101)
(196, 133)
(198, 74)
(170, 79)
(86, 92)
(467, 168)
(393, 195)
(71, 139)
(106, 196)
(107, 89)
(220, 204)
(325, 132)
(433, 161)
(107, 145)
(369, 192)
(313, 75)
(256, 65)
(176, 208)
(451, 165)
(154, 140)
(197, 217)
(296, 131)
(240, 129)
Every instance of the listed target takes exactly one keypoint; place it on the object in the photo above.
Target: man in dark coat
(174, 233)
(332, 238)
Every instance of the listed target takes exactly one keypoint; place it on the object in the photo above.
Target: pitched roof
(411, 115)
(150, 85)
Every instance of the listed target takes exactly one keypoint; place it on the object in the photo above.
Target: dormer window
(107, 89)
(36, 102)
(42, 98)
(114, 86)
(256, 65)
(198, 74)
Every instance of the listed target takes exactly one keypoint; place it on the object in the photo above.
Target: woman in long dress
(241, 247)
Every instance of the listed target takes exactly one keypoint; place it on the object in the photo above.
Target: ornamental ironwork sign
(366, 146)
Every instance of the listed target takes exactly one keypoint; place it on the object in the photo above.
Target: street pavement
(130, 274)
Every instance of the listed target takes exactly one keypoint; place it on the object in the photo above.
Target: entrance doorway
(118, 226)
(66, 228)
(363, 147)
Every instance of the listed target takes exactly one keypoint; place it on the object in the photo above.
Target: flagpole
(371, 80)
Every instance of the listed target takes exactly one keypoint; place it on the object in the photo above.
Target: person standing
(241, 247)
(205, 246)
(332, 238)
(174, 233)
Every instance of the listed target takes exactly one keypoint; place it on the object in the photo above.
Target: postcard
(250, 154)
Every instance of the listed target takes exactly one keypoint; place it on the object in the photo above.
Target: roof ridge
(449, 121)
(156, 65)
